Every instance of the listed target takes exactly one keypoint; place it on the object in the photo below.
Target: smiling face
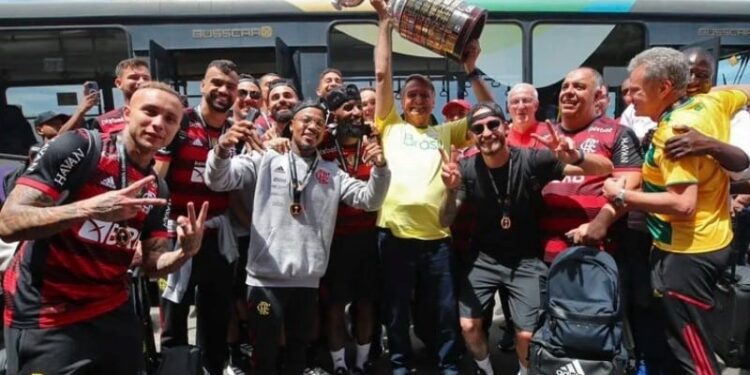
(418, 101)
(219, 89)
(248, 96)
(522, 105)
(368, 104)
(281, 98)
(131, 78)
(328, 82)
(488, 132)
(701, 74)
(153, 117)
(648, 95)
(578, 97)
(308, 129)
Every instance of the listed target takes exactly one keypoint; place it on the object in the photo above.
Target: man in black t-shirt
(505, 184)
(80, 210)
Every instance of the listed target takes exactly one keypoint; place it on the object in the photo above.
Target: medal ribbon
(342, 157)
(298, 187)
(503, 201)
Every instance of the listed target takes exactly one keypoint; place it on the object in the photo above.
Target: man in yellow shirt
(686, 200)
(413, 244)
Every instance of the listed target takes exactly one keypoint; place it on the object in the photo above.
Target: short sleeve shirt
(529, 171)
(416, 191)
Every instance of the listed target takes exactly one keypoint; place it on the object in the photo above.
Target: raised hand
(190, 229)
(381, 8)
(120, 205)
(563, 147)
(279, 144)
(451, 174)
(241, 131)
(373, 152)
(471, 54)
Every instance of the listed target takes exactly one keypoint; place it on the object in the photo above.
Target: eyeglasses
(491, 125)
(255, 95)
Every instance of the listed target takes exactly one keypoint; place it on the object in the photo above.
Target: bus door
(287, 63)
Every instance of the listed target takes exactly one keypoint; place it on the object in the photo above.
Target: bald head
(702, 66)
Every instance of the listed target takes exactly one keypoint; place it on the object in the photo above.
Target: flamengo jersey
(79, 273)
(110, 122)
(576, 200)
(187, 156)
(350, 220)
(711, 227)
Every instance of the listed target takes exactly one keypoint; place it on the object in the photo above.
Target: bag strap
(561, 314)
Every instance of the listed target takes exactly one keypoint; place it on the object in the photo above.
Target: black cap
(48, 116)
(310, 103)
(338, 96)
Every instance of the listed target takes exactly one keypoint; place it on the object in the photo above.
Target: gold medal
(295, 209)
(122, 236)
(505, 222)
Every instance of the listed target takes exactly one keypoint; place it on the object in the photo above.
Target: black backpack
(581, 331)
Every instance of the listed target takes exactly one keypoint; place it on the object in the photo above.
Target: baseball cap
(338, 96)
(456, 103)
(48, 116)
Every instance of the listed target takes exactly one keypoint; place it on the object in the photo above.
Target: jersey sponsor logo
(68, 164)
(111, 121)
(197, 174)
(570, 180)
(323, 176)
(424, 144)
(625, 146)
(108, 182)
(105, 232)
(42, 151)
(572, 368)
(598, 129)
(589, 145)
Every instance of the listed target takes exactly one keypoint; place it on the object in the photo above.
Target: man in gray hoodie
(296, 198)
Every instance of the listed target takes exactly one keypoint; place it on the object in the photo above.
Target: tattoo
(30, 214)
(158, 259)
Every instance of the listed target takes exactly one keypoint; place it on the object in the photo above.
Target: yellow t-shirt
(711, 228)
(413, 201)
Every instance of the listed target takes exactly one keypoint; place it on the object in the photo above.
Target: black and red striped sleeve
(51, 170)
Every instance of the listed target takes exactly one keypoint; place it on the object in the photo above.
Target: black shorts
(352, 269)
(525, 280)
(239, 288)
(111, 343)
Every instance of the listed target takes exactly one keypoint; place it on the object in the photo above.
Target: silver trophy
(443, 26)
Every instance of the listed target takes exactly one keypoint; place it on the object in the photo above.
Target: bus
(48, 48)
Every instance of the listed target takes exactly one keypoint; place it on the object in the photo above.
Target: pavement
(424, 362)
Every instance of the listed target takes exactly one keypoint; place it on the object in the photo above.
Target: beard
(491, 146)
(212, 103)
(354, 129)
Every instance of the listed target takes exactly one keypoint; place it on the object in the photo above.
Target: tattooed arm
(158, 260)
(29, 214)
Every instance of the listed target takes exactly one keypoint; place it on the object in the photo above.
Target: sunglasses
(252, 94)
(490, 125)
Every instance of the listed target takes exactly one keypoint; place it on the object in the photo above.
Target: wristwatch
(619, 200)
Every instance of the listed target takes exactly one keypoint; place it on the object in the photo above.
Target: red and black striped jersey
(187, 156)
(81, 272)
(350, 220)
(111, 122)
(576, 200)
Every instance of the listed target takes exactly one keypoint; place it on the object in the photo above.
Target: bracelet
(473, 74)
(581, 158)
(222, 152)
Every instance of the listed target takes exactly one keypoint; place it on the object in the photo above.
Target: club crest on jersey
(104, 232)
(322, 176)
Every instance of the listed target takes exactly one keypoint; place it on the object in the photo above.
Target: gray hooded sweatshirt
(289, 251)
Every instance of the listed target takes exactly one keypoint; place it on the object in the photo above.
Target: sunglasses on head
(252, 94)
(479, 128)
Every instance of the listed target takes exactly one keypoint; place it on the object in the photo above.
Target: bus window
(350, 49)
(34, 100)
(560, 48)
(732, 69)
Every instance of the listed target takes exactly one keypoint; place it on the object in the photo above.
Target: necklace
(342, 158)
(503, 201)
(298, 186)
